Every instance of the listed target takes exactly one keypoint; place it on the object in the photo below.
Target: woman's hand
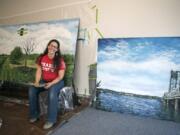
(60, 76)
(36, 84)
(48, 85)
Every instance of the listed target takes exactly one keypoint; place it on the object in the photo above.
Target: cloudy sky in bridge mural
(138, 65)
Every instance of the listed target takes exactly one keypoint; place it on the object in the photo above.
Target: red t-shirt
(48, 71)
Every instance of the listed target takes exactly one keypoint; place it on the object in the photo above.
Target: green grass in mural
(2, 59)
(18, 72)
(69, 59)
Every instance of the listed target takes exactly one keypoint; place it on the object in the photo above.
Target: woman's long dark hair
(57, 57)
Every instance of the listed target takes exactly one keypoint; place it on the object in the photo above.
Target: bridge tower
(174, 84)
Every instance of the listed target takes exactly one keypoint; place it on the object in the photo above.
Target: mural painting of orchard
(135, 74)
(20, 45)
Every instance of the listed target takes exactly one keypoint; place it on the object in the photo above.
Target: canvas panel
(135, 73)
(32, 39)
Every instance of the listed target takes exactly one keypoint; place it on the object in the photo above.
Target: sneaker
(32, 120)
(48, 125)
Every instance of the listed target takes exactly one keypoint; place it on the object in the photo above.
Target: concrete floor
(15, 120)
(83, 121)
(96, 122)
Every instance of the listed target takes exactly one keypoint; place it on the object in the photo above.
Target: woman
(49, 74)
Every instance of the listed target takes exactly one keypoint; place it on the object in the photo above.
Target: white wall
(139, 18)
(116, 18)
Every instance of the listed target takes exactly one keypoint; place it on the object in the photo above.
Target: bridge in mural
(173, 95)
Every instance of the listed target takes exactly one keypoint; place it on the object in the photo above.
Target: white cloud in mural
(41, 33)
(6, 41)
(136, 77)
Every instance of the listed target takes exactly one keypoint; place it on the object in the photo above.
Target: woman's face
(52, 47)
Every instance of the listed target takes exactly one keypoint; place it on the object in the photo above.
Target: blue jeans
(53, 93)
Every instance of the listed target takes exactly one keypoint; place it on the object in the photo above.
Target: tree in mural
(28, 46)
(16, 55)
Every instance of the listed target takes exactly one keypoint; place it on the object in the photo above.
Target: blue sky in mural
(138, 65)
(41, 32)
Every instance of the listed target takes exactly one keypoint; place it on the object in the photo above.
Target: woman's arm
(38, 75)
(60, 77)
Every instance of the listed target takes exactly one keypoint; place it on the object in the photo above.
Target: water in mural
(134, 74)
(152, 107)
